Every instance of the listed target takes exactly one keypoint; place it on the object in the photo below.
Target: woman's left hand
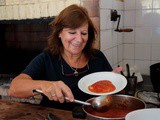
(118, 70)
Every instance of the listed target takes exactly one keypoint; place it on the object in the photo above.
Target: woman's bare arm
(22, 86)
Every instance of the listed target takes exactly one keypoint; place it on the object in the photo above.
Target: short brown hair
(72, 17)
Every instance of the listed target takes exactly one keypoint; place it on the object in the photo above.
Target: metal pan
(122, 105)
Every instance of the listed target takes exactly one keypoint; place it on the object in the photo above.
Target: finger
(59, 94)
(67, 92)
(51, 94)
(117, 70)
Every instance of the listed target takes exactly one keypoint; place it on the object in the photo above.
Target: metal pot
(121, 105)
(155, 76)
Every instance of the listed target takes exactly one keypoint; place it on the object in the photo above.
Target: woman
(68, 57)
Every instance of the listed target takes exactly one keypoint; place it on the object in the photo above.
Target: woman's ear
(59, 35)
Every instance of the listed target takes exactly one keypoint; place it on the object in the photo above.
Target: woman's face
(74, 40)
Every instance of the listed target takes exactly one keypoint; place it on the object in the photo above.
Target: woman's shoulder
(98, 53)
(43, 56)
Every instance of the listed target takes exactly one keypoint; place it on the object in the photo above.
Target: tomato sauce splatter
(102, 86)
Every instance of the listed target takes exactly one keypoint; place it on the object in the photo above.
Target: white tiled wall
(147, 32)
(111, 41)
(140, 47)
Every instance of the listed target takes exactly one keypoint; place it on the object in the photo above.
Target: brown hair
(72, 17)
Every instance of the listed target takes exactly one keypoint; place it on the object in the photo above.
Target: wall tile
(15, 12)
(143, 66)
(105, 4)
(9, 12)
(156, 4)
(109, 39)
(103, 38)
(22, 12)
(43, 9)
(120, 53)
(143, 4)
(129, 37)
(52, 8)
(120, 37)
(105, 22)
(37, 10)
(114, 38)
(117, 5)
(30, 11)
(106, 39)
(129, 4)
(129, 18)
(156, 16)
(109, 55)
(115, 55)
(128, 51)
(155, 35)
(143, 35)
(155, 52)
(142, 51)
(144, 18)
(2, 12)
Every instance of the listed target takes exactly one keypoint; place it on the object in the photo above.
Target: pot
(121, 105)
(155, 75)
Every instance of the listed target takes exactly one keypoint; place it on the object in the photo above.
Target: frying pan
(121, 105)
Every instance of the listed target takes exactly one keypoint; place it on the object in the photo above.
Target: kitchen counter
(10, 110)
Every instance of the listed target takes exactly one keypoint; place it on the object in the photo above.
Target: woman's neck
(76, 61)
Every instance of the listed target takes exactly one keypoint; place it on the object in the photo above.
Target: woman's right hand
(57, 91)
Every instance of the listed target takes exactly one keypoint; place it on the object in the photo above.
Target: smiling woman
(68, 57)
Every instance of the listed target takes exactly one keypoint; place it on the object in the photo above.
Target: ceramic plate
(117, 80)
(144, 114)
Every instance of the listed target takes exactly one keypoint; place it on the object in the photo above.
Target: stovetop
(146, 85)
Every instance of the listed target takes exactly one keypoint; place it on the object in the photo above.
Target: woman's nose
(79, 37)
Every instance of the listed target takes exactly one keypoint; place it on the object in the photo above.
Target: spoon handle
(79, 102)
(66, 98)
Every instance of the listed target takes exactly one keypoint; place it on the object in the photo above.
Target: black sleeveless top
(46, 67)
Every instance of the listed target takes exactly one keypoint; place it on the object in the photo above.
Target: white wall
(140, 47)
(111, 41)
(145, 39)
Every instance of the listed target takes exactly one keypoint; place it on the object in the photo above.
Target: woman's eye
(84, 33)
(72, 32)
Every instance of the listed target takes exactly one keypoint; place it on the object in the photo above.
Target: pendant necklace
(75, 69)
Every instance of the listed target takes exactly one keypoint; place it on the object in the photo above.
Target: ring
(53, 95)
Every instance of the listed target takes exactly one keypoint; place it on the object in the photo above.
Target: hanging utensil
(128, 70)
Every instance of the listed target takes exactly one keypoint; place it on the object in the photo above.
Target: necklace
(75, 71)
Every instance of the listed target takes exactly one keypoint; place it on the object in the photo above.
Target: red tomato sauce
(110, 113)
(102, 86)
